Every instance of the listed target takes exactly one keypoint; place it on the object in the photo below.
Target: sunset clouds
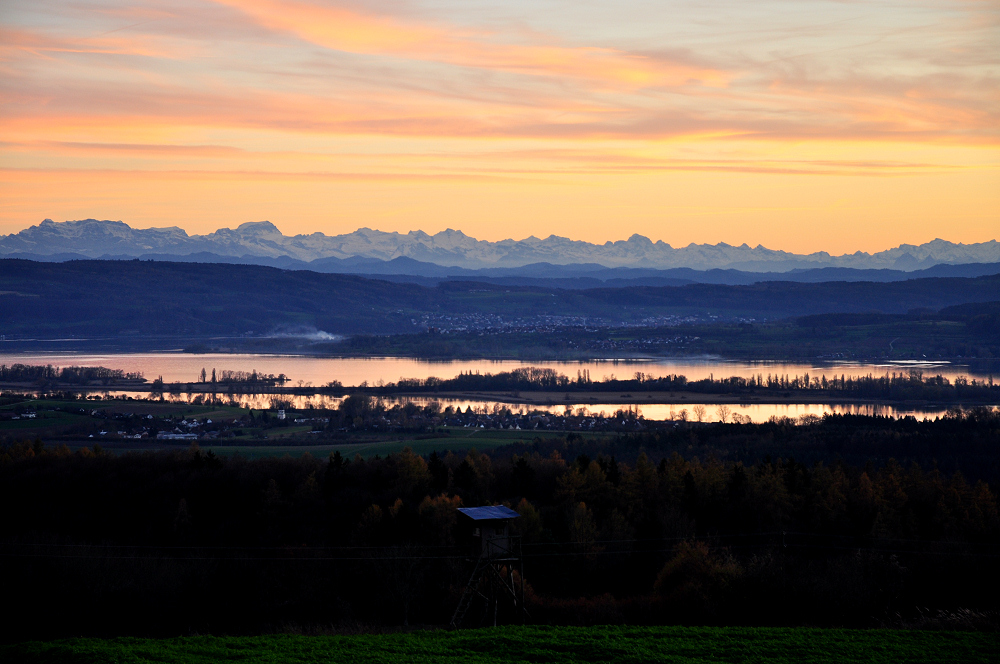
(351, 31)
(802, 125)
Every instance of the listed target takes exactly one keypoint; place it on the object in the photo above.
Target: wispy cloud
(352, 31)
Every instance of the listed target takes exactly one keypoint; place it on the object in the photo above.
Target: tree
(204, 376)
(438, 516)
(723, 411)
(438, 472)
(465, 476)
(523, 478)
(401, 569)
(699, 412)
(529, 526)
(412, 475)
(582, 528)
(695, 579)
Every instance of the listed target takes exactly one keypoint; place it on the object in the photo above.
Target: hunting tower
(498, 553)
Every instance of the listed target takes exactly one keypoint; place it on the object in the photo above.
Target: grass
(50, 420)
(459, 439)
(290, 432)
(42, 421)
(533, 644)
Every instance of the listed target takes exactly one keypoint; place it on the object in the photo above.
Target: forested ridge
(702, 525)
(163, 298)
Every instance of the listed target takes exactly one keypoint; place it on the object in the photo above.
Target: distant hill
(47, 300)
(451, 252)
(546, 275)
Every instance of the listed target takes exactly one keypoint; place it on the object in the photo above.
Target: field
(460, 439)
(70, 422)
(535, 644)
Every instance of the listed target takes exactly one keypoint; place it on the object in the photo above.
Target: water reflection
(317, 371)
(694, 412)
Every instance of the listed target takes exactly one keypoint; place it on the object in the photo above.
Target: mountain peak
(451, 232)
(453, 248)
(257, 228)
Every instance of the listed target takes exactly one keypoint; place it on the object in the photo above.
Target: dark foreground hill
(847, 521)
(135, 298)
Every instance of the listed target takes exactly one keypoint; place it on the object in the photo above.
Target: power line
(291, 549)
(463, 555)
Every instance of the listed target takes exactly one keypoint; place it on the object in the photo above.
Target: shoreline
(128, 346)
(670, 398)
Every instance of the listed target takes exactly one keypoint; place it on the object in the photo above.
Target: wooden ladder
(471, 590)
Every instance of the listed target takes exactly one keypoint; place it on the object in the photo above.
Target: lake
(756, 412)
(316, 371)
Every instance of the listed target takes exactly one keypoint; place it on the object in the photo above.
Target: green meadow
(534, 644)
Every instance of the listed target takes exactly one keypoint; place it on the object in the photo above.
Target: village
(95, 418)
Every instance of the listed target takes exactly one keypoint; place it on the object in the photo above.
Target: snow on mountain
(94, 238)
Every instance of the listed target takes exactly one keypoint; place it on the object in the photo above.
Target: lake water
(757, 412)
(316, 371)
(185, 367)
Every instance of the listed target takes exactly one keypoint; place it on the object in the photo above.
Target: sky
(801, 125)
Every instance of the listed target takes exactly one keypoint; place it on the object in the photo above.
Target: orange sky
(802, 125)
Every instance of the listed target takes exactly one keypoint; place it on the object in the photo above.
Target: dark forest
(850, 521)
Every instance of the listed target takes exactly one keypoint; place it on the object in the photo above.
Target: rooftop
(489, 512)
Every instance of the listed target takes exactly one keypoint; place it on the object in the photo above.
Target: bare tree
(723, 413)
(699, 413)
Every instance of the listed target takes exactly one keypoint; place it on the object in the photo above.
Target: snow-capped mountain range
(93, 238)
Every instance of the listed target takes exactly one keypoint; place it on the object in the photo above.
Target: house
(492, 527)
(163, 435)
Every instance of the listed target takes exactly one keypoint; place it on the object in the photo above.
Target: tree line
(233, 377)
(890, 386)
(28, 373)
